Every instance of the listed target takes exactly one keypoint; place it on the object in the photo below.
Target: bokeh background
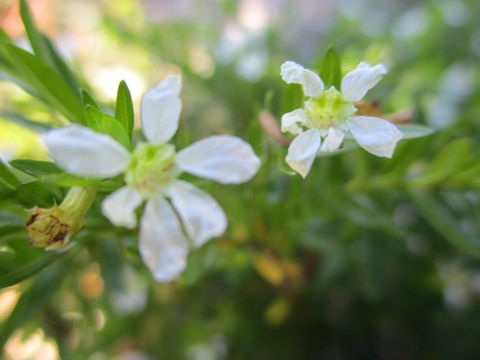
(365, 259)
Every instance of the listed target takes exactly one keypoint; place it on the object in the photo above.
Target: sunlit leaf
(34, 36)
(62, 68)
(43, 79)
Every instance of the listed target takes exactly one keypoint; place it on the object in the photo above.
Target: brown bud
(48, 228)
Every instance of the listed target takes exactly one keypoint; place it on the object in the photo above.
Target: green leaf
(46, 82)
(36, 168)
(469, 173)
(22, 121)
(62, 68)
(24, 272)
(35, 193)
(448, 162)
(45, 49)
(7, 194)
(445, 222)
(7, 177)
(414, 131)
(35, 297)
(124, 108)
(48, 172)
(4, 36)
(34, 36)
(9, 230)
(88, 100)
(106, 124)
(293, 98)
(330, 69)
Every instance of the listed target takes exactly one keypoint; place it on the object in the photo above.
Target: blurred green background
(367, 258)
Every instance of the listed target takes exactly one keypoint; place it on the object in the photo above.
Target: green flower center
(329, 109)
(152, 167)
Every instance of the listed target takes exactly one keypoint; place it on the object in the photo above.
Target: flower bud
(49, 228)
(52, 228)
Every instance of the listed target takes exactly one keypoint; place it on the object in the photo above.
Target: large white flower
(151, 174)
(328, 116)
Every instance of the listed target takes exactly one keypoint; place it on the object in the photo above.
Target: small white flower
(151, 174)
(330, 115)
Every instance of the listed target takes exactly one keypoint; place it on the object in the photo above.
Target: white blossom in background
(151, 174)
(328, 116)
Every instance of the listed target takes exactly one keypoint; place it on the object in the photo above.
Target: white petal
(333, 140)
(293, 73)
(201, 215)
(84, 152)
(303, 150)
(291, 120)
(377, 136)
(163, 246)
(119, 207)
(223, 158)
(358, 81)
(160, 110)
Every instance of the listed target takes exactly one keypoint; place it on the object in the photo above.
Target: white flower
(330, 115)
(151, 174)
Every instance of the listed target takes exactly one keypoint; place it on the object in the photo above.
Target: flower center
(329, 109)
(152, 167)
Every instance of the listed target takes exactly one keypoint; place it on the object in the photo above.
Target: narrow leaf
(88, 100)
(33, 299)
(4, 36)
(46, 82)
(36, 193)
(106, 124)
(24, 272)
(445, 223)
(9, 230)
(330, 69)
(8, 178)
(62, 68)
(48, 172)
(34, 36)
(293, 98)
(448, 162)
(124, 108)
(23, 121)
(36, 168)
